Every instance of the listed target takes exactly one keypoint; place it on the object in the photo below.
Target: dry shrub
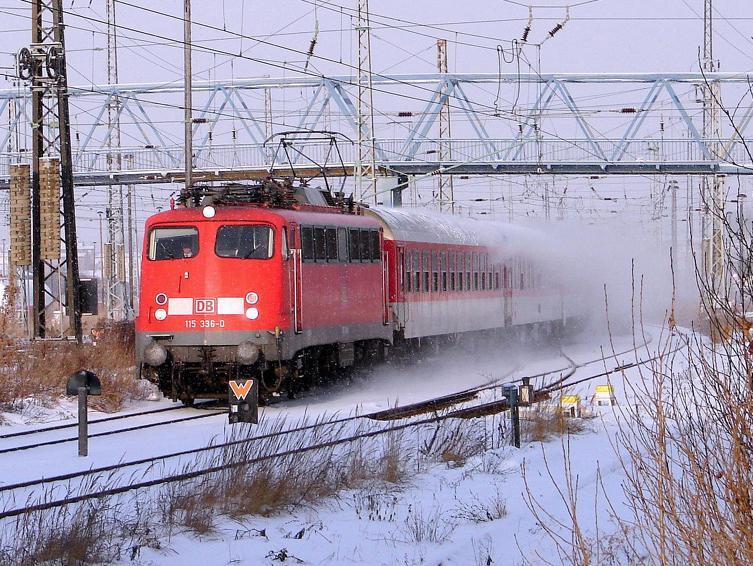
(478, 510)
(541, 424)
(453, 441)
(428, 526)
(40, 369)
(94, 532)
(393, 463)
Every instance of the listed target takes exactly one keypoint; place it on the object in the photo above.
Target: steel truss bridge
(537, 124)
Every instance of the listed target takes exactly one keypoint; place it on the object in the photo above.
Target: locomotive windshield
(173, 243)
(247, 241)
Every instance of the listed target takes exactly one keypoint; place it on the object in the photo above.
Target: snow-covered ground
(469, 512)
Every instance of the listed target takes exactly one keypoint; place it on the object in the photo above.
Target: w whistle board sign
(243, 401)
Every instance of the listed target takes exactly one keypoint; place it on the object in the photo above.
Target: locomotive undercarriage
(191, 372)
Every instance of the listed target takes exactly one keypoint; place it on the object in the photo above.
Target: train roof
(235, 213)
(409, 225)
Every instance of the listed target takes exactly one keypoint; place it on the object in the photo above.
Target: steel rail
(108, 432)
(103, 420)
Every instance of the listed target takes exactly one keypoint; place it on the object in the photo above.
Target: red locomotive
(287, 284)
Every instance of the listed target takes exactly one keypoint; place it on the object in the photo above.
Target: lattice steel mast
(55, 277)
(712, 187)
(115, 292)
(446, 188)
(366, 162)
(188, 95)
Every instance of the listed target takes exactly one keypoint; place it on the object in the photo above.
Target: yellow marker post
(604, 396)
(570, 405)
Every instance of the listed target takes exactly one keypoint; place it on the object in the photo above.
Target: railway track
(143, 426)
(398, 413)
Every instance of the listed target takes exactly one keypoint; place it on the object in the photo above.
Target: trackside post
(243, 400)
(82, 384)
(511, 391)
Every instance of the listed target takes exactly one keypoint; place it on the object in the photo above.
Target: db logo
(241, 388)
(204, 306)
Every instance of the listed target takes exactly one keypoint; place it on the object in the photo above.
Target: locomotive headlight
(252, 313)
(247, 353)
(252, 298)
(154, 354)
(160, 314)
(208, 212)
(160, 299)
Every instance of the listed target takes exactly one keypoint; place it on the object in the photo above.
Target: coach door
(295, 273)
(400, 287)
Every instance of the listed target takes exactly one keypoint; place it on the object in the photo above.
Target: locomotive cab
(275, 283)
(212, 288)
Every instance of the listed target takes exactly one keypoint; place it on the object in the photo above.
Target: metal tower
(446, 189)
(712, 191)
(56, 280)
(188, 95)
(115, 291)
(366, 162)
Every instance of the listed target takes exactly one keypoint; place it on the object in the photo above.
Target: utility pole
(43, 63)
(115, 298)
(188, 99)
(673, 187)
(366, 163)
(712, 191)
(446, 188)
(268, 112)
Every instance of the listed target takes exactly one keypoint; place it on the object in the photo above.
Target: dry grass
(481, 510)
(117, 528)
(39, 370)
(541, 424)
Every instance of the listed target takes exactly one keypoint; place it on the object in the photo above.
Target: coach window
(320, 245)
(443, 269)
(468, 267)
(250, 241)
(435, 271)
(417, 271)
(342, 244)
(426, 267)
(451, 268)
(496, 279)
(407, 282)
(364, 246)
(354, 240)
(376, 248)
(330, 243)
(307, 243)
(173, 243)
(461, 268)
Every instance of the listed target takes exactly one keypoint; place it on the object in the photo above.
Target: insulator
(20, 215)
(404, 114)
(49, 208)
(526, 31)
(311, 46)
(555, 29)
(628, 110)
